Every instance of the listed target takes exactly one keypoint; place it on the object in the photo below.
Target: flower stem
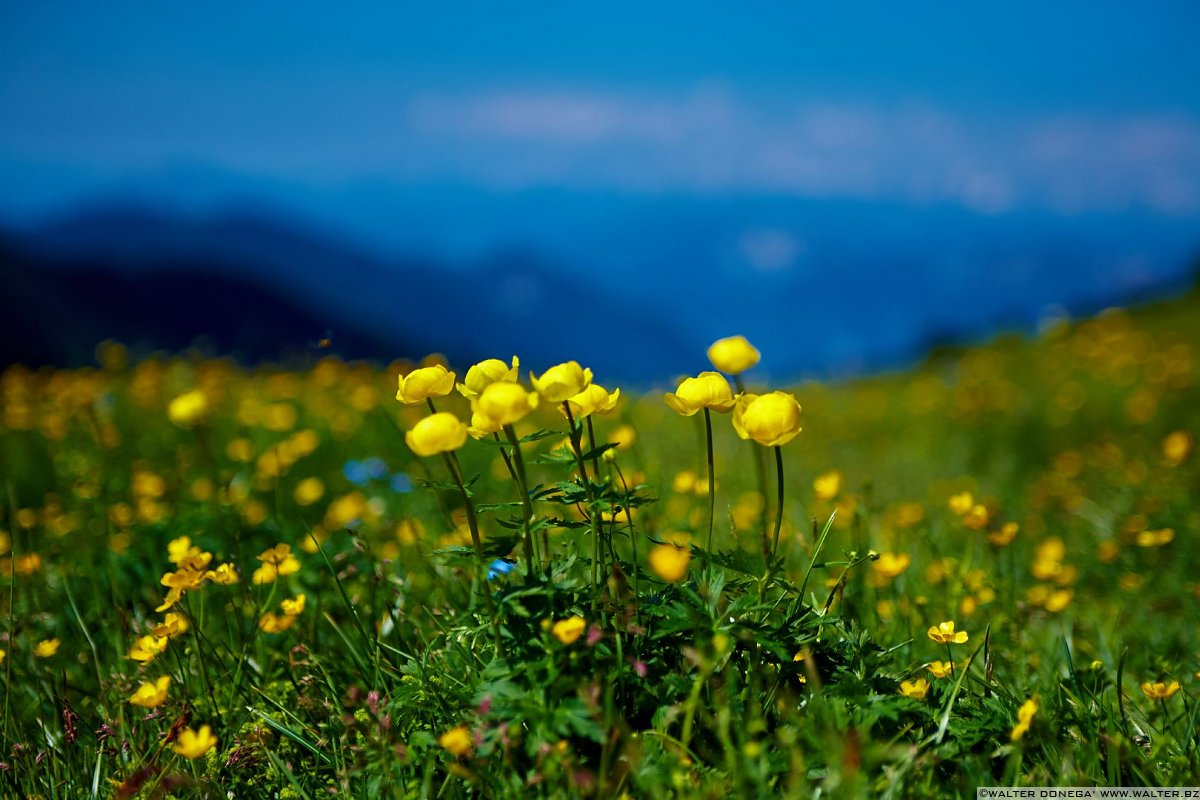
(778, 500)
(456, 470)
(712, 478)
(526, 504)
(760, 470)
(597, 553)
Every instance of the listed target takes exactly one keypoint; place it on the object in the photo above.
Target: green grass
(689, 689)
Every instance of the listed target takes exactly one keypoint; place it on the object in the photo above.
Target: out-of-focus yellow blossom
(962, 503)
(977, 518)
(772, 419)
(225, 574)
(827, 485)
(194, 744)
(277, 561)
(178, 549)
(684, 481)
(421, 384)
(595, 399)
(293, 607)
(309, 491)
(188, 409)
(1159, 690)
(623, 436)
(239, 449)
(916, 689)
(733, 354)
(457, 741)
(1024, 718)
(481, 426)
(669, 561)
(1177, 447)
(270, 622)
(944, 633)
(147, 647)
(172, 625)
(561, 382)
(569, 630)
(707, 390)
(151, 695)
(1004, 536)
(437, 433)
(1058, 600)
(485, 373)
(941, 669)
(3, 653)
(505, 403)
(46, 648)
(1155, 538)
(890, 565)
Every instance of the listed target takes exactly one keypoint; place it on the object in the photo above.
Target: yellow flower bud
(485, 373)
(706, 390)
(437, 433)
(733, 354)
(421, 384)
(561, 382)
(595, 399)
(770, 419)
(505, 403)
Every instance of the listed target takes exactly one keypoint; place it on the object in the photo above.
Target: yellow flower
(1155, 538)
(505, 403)
(623, 436)
(485, 373)
(562, 382)
(178, 549)
(421, 384)
(277, 561)
(309, 491)
(962, 503)
(3, 653)
(670, 562)
(891, 565)
(772, 419)
(1159, 690)
(224, 574)
(827, 486)
(270, 622)
(1004, 536)
(915, 689)
(189, 409)
(568, 630)
(293, 607)
(194, 744)
(151, 695)
(1024, 718)
(941, 669)
(483, 425)
(1176, 447)
(457, 741)
(594, 399)
(437, 433)
(46, 648)
(706, 390)
(733, 354)
(944, 633)
(147, 647)
(172, 625)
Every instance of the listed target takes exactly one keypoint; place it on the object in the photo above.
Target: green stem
(712, 478)
(576, 435)
(778, 500)
(760, 469)
(526, 504)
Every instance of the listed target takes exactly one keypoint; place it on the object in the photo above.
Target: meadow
(347, 580)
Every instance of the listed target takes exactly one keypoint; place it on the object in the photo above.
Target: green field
(333, 620)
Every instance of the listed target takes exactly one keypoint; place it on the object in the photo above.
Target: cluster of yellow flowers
(192, 572)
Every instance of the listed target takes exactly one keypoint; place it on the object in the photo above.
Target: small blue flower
(500, 566)
(375, 467)
(401, 483)
(355, 472)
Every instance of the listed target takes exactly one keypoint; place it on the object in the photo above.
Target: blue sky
(1072, 106)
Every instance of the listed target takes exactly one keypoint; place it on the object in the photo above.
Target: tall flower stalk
(771, 420)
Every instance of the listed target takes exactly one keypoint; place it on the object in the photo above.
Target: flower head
(194, 744)
(594, 399)
(916, 689)
(505, 403)
(147, 647)
(562, 381)
(437, 433)
(151, 695)
(1024, 718)
(772, 419)
(457, 741)
(421, 384)
(707, 390)
(1160, 690)
(941, 669)
(568, 630)
(733, 354)
(944, 633)
(45, 648)
(188, 409)
(485, 373)
(827, 485)
(669, 561)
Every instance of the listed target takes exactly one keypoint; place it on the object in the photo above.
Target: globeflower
(188, 409)
(151, 695)
(733, 355)
(568, 630)
(505, 403)
(594, 399)
(424, 383)
(437, 433)
(194, 744)
(944, 633)
(772, 419)
(827, 485)
(669, 561)
(708, 390)
(562, 381)
(485, 373)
